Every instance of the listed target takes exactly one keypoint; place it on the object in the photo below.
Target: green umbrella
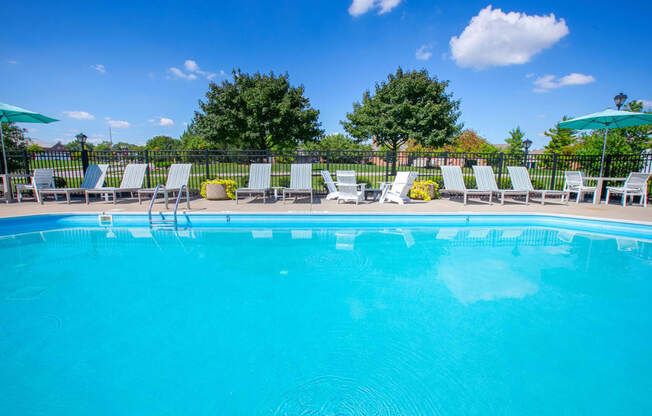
(607, 119)
(10, 113)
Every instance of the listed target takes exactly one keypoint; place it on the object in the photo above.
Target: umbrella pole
(4, 154)
(604, 148)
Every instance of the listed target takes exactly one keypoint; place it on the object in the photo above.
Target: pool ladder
(164, 223)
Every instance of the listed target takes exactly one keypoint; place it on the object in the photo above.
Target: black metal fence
(372, 167)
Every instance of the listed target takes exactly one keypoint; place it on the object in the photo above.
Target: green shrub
(59, 182)
(421, 190)
(229, 185)
(163, 164)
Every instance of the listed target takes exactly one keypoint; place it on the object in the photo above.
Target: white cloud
(99, 68)
(423, 53)
(192, 71)
(79, 115)
(162, 121)
(530, 75)
(495, 38)
(360, 7)
(177, 73)
(548, 82)
(116, 123)
(12, 62)
(646, 103)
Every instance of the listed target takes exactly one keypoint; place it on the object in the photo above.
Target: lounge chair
(635, 185)
(260, 176)
(42, 178)
(347, 188)
(93, 178)
(132, 182)
(486, 181)
(575, 184)
(521, 182)
(454, 183)
(397, 191)
(330, 185)
(177, 177)
(300, 180)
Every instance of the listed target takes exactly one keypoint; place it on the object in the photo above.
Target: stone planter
(215, 192)
(431, 191)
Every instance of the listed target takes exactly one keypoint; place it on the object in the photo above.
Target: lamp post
(81, 138)
(526, 144)
(619, 100)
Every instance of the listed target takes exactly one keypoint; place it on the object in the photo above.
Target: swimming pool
(325, 315)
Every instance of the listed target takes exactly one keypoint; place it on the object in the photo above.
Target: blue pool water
(325, 316)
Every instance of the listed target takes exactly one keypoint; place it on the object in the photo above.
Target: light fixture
(527, 143)
(619, 100)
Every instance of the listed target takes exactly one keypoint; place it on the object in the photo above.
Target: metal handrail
(176, 204)
(151, 203)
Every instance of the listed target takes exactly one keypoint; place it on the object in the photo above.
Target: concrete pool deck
(613, 211)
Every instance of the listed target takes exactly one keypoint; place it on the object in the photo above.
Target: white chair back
(453, 180)
(178, 175)
(94, 176)
(520, 178)
(485, 178)
(403, 182)
(301, 176)
(133, 176)
(43, 178)
(574, 179)
(636, 182)
(328, 181)
(260, 176)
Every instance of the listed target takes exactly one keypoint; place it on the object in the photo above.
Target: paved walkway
(321, 206)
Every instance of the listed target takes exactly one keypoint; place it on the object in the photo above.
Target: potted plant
(218, 189)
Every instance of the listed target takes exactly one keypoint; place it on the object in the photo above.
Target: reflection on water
(325, 321)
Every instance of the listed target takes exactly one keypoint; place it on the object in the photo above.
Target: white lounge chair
(300, 180)
(347, 188)
(177, 177)
(397, 191)
(486, 181)
(454, 183)
(42, 178)
(260, 176)
(132, 182)
(330, 185)
(574, 183)
(93, 178)
(635, 185)
(521, 182)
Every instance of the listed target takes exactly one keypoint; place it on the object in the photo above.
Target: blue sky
(141, 67)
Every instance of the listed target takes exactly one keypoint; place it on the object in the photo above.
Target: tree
(408, 106)
(470, 142)
(75, 146)
(162, 143)
(515, 141)
(190, 140)
(336, 142)
(15, 138)
(258, 112)
(561, 140)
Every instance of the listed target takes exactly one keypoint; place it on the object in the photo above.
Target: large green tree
(408, 106)
(162, 143)
(515, 141)
(257, 112)
(561, 140)
(15, 138)
(336, 142)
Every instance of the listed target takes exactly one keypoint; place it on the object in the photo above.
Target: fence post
(328, 160)
(500, 170)
(206, 161)
(149, 185)
(554, 171)
(84, 158)
(387, 162)
(26, 160)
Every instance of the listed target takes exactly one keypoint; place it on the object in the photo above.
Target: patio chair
(93, 178)
(260, 176)
(521, 181)
(397, 191)
(635, 185)
(300, 180)
(330, 185)
(42, 178)
(132, 182)
(178, 176)
(347, 187)
(486, 181)
(454, 183)
(574, 183)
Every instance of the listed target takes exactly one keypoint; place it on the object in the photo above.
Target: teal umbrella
(11, 113)
(607, 119)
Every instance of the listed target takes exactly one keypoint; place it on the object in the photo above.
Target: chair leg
(187, 198)
(625, 199)
(86, 198)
